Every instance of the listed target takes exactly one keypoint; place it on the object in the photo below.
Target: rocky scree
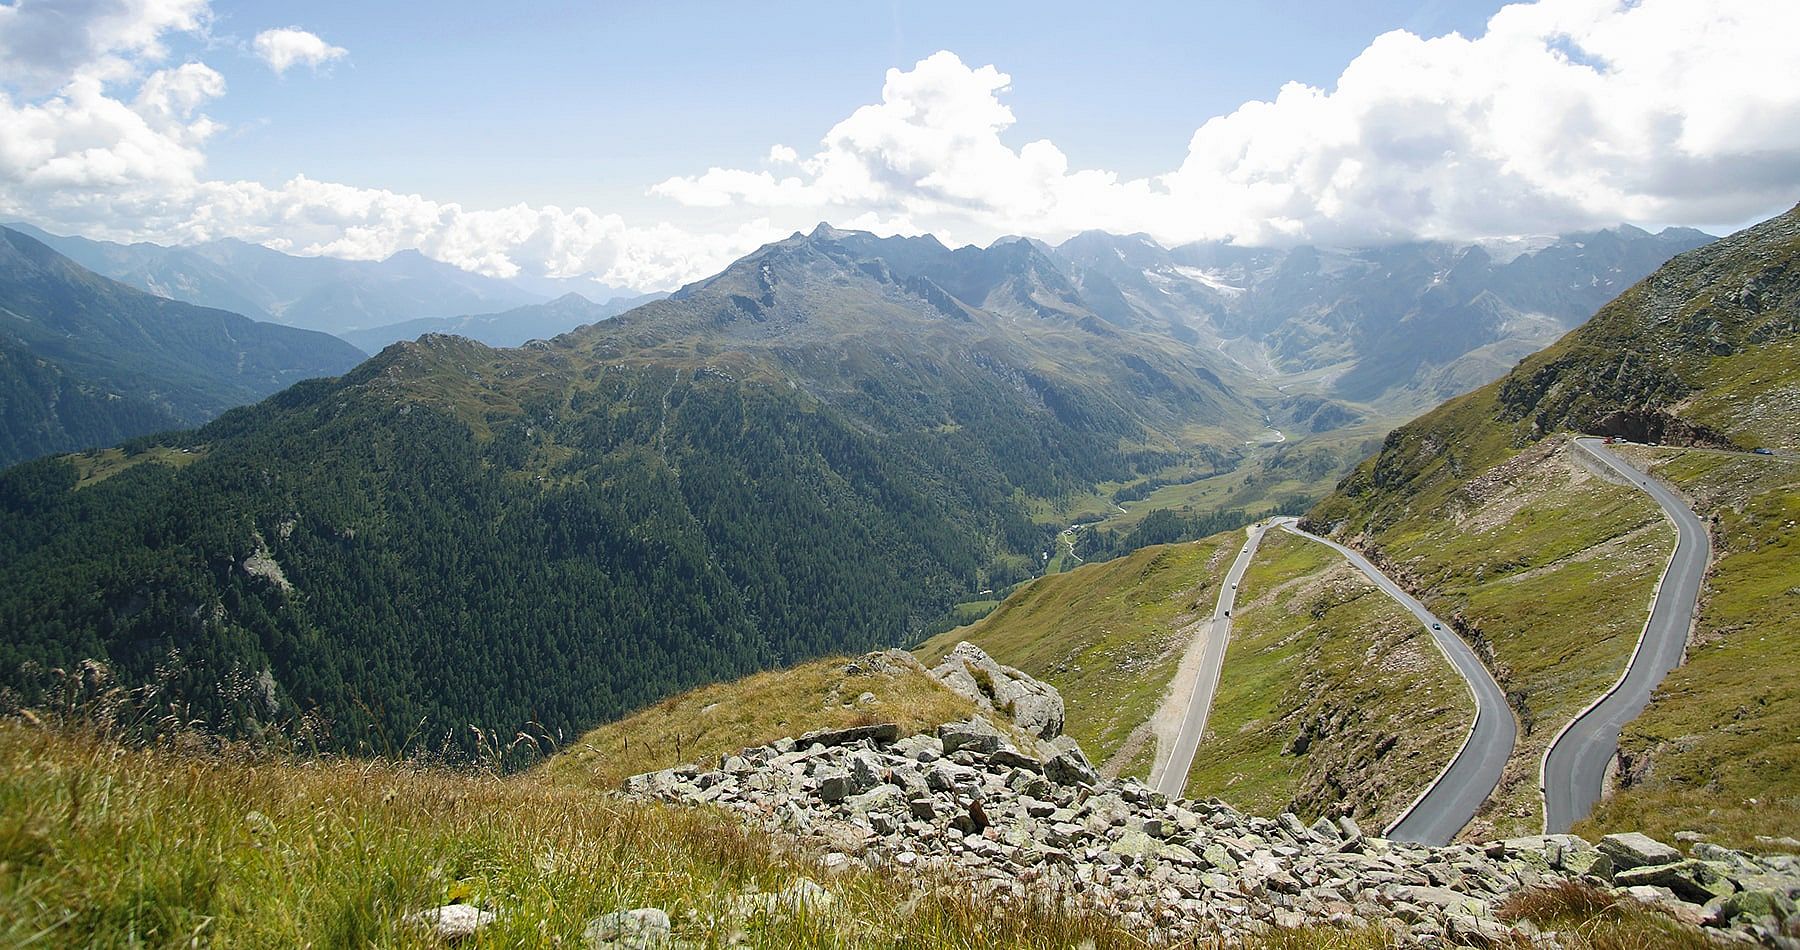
(964, 807)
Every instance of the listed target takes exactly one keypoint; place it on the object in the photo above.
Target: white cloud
(1563, 114)
(77, 155)
(45, 43)
(290, 46)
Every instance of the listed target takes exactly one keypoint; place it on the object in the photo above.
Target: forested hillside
(808, 453)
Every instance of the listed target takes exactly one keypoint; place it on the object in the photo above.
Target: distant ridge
(86, 361)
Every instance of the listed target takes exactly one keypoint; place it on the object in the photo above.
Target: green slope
(1108, 636)
(1718, 749)
(1333, 699)
(1548, 570)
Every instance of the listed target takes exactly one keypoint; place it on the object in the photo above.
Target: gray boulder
(835, 785)
(1070, 767)
(451, 922)
(1035, 706)
(1695, 881)
(637, 929)
(880, 734)
(1633, 850)
(976, 734)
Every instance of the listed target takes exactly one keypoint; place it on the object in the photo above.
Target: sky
(648, 144)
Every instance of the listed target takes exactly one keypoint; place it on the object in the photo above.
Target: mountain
(86, 361)
(1685, 355)
(318, 293)
(1400, 327)
(538, 321)
(819, 449)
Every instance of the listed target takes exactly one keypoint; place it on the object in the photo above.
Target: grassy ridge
(1718, 749)
(704, 723)
(1108, 636)
(103, 846)
(1332, 698)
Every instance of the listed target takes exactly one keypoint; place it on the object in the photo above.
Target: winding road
(1171, 778)
(1574, 769)
(1452, 798)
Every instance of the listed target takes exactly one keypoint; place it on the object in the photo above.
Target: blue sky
(647, 144)
(584, 103)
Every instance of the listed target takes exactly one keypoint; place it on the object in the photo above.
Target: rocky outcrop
(964, 804)
(1654, 427)
(1034, 706)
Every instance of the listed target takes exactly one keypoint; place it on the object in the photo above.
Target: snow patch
(1210, 278)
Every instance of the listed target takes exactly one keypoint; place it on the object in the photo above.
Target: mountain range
(1403, 326)
(317, 293)
(515, 327)
(86, 361)
(820, 448)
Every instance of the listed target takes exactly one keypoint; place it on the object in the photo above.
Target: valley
(992, 476)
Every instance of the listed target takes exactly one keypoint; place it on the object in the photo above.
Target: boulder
(1013, 759)
(884, 798)
(1753, 906)
(884, 662)
(975, 734)
(451, 922)
(835, 785)
(1035, 706)
(1690, 880)
(1070, 768)
(1633, 850)
(637, 929)
(881, 734)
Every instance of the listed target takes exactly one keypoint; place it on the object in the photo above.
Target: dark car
(1763, 451)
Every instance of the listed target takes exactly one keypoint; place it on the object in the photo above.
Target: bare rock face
(1035, 706)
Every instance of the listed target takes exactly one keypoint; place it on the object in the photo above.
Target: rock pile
(1040, 825)
(1034, 706)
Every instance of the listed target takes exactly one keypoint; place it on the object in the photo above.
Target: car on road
(1437, 626)
(1763, 451)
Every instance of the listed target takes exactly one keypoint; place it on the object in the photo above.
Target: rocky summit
(1022, 820)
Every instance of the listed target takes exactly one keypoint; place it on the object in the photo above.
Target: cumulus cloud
(1563, 114)
(45, 43)
(291, 46)
(94, 139)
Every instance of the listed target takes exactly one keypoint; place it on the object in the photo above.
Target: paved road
(1172, 779)
(1575, 767)
(1453, 797)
